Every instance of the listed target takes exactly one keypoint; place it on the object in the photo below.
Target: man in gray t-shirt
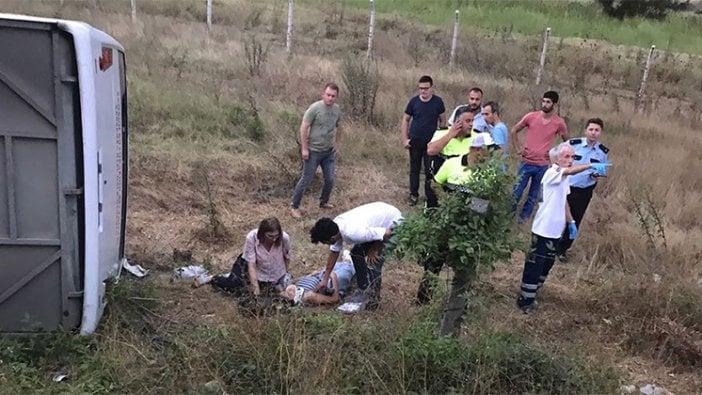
(320, 140)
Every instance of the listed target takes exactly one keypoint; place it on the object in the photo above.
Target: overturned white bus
(63, 172)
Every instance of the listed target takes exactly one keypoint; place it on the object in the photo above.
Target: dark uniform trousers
(578, 200)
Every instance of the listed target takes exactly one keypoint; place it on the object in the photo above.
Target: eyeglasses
(271, 236)
(424, 88)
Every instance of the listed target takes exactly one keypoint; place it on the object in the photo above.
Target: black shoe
(413, 200)
(528, 309)
(563, 257)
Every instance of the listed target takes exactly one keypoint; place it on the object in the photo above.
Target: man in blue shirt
(423, 114)
(588, 149)
(497, 128)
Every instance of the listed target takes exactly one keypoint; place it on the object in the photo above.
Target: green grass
(583, 19)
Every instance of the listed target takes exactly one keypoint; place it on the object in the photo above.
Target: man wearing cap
(453, 175)
(475, 100)
(542, 126)
(587, 149)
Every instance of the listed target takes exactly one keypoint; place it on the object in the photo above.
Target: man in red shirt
(542, 126)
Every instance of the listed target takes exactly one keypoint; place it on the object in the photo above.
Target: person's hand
(305, 154)
(337, 146)
(572, 230)
(455, 128)
(406, 143)
(600, 168)
(373, 256)
(322, 284)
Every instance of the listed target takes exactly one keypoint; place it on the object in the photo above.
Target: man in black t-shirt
(423, 114)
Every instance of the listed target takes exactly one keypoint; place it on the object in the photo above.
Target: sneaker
(563, 257)
(326, 205)
(295, 213)
(413, 200)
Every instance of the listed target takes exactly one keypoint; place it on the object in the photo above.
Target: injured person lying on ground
(303, 291)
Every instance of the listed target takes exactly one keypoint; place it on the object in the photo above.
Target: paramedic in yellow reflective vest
(450, 143)
(453, 175)
(456, 172)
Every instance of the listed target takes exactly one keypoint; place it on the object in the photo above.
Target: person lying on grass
(307, 291)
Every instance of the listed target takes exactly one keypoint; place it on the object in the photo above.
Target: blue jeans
(525, 173)
(325, 159)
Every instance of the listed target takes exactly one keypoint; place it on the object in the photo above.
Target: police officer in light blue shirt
(587, 149)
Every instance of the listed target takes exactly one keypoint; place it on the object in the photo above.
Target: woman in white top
(267, 252)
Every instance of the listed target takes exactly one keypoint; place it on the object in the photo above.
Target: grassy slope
(680, 32)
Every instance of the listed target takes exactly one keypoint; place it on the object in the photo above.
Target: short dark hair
(461, 110)
(323, 230)
(476, 89)
(551, 95)
(426, 78)
(493, 106)
(332, 86)
(596, 121)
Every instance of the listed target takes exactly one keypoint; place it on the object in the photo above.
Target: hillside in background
(214, 118)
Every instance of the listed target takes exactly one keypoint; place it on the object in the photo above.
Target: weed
(361, 79)
(256, 55)
(202, 182)
(649, 217)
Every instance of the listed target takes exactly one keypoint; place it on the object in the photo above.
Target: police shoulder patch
(575, 141)
(603, 148)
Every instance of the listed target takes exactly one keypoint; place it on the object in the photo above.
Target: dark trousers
(578, 200)
(417, 155)
(538, 264)
(432, 268)
(368, 277)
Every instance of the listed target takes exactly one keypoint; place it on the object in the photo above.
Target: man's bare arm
(514, 139)
(304, 140)
(435, 147)
(404, 130)
(576, 169)
(331, 262)
(337, 138)
(442, 120)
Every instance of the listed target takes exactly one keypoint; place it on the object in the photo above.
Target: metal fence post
(454, 41)
(542, 62)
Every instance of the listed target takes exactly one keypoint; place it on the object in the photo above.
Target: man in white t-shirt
(550, 221)
(368, 228)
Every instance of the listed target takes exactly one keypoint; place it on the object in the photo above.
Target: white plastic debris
(350, 307)
(656, 278)
(652, 389)
(136, 270)
(191, 271)
(59, 377)
(627, 389)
